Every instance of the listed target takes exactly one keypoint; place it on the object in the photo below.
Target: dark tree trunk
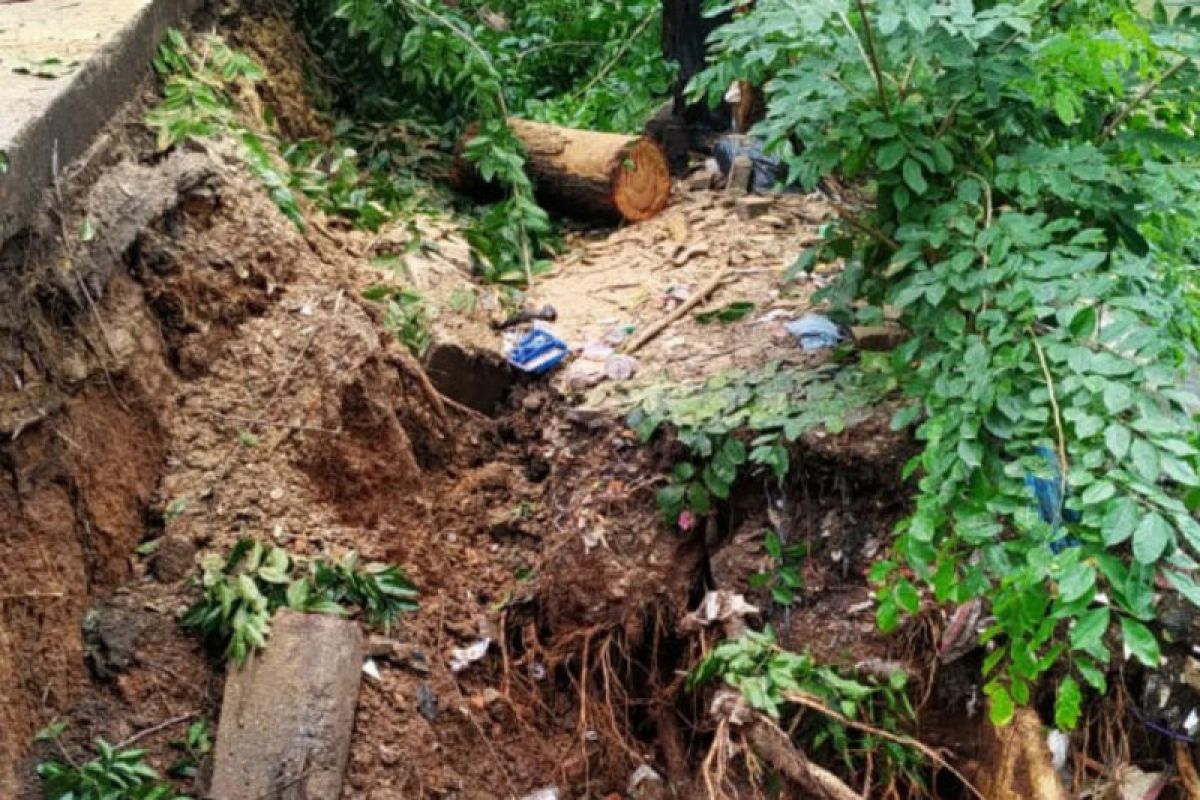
(685, 33)
(681, 127)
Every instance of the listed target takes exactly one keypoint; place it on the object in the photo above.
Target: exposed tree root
(1188, 775)
(774, 746)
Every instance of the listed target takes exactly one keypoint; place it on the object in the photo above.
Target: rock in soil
(174, 559)
(288, 714)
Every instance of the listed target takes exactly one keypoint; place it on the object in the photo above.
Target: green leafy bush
(194, 747)
(471, 65)
(242, 591)
(783, 578)
(767, 675)
(197, 104)
(575, 62)
(115, 774)
(370, 174)
(1033, 171)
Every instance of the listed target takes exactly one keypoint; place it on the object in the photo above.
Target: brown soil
(213, 374)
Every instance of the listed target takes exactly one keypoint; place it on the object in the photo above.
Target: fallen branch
(774, 746)
(137, 737)
(1141, 97)
(713, 283)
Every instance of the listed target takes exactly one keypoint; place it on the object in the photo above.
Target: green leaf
(907, 596)
(1117, 438)
(1092, 674)
(1067, 704)
(1151, 538)
(148, 547)
(1083, 323)
(905, 416)
(51, 731)
(1097, 493)
(1120, 521)
(890, 154)
(1184, 585)
(1179, 471)
(1117, 397)
(1144, 457)
(914, 176)
(971, 452)
(731, 312)
(1064, 107)
(887, 616)
(1077, 582)
(773, 546)
(1089, 629)
(1140, 641)
(1001, 708)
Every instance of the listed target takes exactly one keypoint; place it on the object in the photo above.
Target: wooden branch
(774, 746)
(1188, 775)
(137, 737)
(876, 69)
(662, 324)
(1141, 97)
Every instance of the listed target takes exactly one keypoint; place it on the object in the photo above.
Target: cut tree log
(585, 174)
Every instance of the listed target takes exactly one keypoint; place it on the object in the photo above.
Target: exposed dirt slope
(204, 371)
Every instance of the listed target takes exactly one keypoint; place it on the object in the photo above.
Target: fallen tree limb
(774, 746)
(637, 342)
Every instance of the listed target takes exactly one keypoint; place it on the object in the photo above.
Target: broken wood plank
(287, 715)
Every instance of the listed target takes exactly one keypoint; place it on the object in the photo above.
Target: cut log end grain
(641, 181)
(586, 174)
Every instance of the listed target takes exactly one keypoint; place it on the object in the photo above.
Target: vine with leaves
(1035, 189)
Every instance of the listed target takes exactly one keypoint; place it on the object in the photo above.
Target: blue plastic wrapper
(538, 352)
(814, 331)
(1050, 494)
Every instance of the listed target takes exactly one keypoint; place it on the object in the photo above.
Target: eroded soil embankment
(201, 371)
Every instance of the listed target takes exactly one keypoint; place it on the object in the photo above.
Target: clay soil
(213, 373)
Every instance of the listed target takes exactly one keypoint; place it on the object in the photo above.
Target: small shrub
(782, 579)
(242, 591)
(767, 675)
(198, 104)
(408, 316)
(194, 747)
(115, 774)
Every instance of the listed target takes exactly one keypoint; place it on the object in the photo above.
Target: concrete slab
(65, 67)
(287, 716)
